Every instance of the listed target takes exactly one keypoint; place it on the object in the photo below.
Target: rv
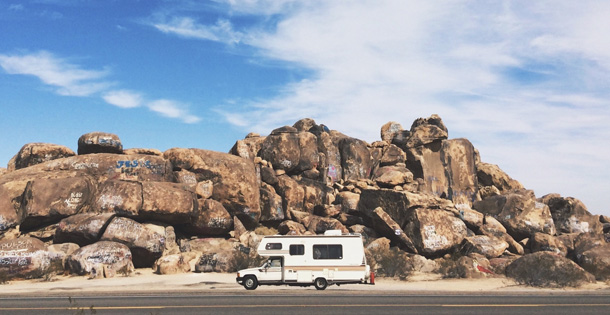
(319, 260)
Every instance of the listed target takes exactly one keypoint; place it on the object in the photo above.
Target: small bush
(264, 230)
(3, 277)
(391, 262)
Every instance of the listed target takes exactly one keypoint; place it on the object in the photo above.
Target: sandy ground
(146, 282)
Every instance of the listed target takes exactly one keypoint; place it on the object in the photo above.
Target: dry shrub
(391, 262)
(264, 230)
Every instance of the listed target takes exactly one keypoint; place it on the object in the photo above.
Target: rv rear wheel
(250, 283)
(320, 283)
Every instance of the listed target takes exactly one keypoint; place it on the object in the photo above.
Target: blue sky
(528, 82)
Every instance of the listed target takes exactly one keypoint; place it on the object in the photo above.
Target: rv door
(272, 270)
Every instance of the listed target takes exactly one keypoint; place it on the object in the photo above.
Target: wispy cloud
(526, 77)
(123, 98)
(187, 27)
(172, 109)
(73, 80)
(69, 79)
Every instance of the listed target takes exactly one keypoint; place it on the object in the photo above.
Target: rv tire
(320, 283)
(250, 283)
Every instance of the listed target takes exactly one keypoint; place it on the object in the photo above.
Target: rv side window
(297, 249)
(273, 246)
(327, 252)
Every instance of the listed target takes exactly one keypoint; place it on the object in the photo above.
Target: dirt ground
(144, 281)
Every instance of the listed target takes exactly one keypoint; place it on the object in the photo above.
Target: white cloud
(69, 79)
(188, 28)
(173, 109)
(525, 81)
(123, 98)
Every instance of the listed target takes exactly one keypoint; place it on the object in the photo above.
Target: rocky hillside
(425, 199)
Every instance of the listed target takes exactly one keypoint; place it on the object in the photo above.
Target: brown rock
(348, 201)
(571, 215)
(167, 202)
(271, 204)
(36, 153)
(143, 151)
(249, 147)
(389, 130)
(94, 258)
(121, 197)
(145, 244)
(212, 219)
(9, 215)
(543, 242)
(205, 189)
(304, 124)
(383, 223)
(545, 269)
(291, 192)
(99, 142)
(315, 194)
(434, 231)
(48, 201)
(82, 229)
(24, 258)
(189, 179)
(492, 175)
(291, 228)
(173, 264)
(390, 176)
(489, 246)
(235, 179)
(392, 155)
(592, 252)
(396, 203)
(268, 176)
(355, 159)
(425, 131)
(519, 212)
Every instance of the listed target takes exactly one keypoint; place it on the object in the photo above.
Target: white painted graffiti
(218, 222)
(433, 240)
(75, 200)
(84, 165)
(110, 201)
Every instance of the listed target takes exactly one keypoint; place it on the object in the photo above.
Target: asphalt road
(311, 302)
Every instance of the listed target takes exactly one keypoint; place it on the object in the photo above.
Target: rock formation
(428, 198)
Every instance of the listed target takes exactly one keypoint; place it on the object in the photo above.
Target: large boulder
(145, 244)
(174, 264)
(249, 147)
(389, 131)
(519, 212)
(24, 258)
(289, 227)
(434, 231)
(315, 194)
(543, 242)
(212, 219)
(426, 131)
(288, 149)
(390, 176)
(383, 223)
(47, 201)
(235, 180)
(271, 204)
(397, 203)
(9, 215)
(545, 269)
(99, 142)
(101, 166)
(82, 229)
(392, 155)
(328, 146)
(571, 215)
(592, 253)
(291, 192)
(121, 197)
(167, 202)
(489, 246)
(355, 159)
(101, 258)
(447, 168)
(348, 201)
(490, 175)
(36, 153)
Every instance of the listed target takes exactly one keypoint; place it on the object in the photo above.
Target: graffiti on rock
(75, 200)
(433, 240)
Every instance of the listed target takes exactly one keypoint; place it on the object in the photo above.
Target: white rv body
(318, 260)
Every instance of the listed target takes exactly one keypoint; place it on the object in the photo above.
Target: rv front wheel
(320, 283)
(250, 283)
